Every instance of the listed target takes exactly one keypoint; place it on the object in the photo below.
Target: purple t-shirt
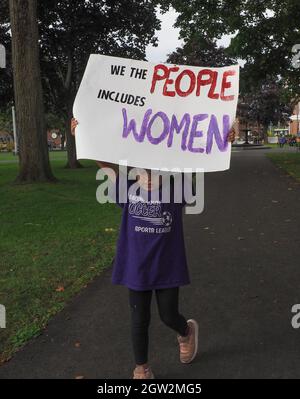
(150, 250)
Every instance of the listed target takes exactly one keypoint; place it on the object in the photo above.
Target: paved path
(244, 261)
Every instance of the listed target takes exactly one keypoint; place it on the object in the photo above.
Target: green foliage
(263, 103)
(71, 31)
(264, 33)
(199, 51)
(54, 121)
(6, 121)
(6, 86)
(70, 34)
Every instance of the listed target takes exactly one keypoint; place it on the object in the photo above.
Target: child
(151, 257)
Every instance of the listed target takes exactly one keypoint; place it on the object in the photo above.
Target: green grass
(7, 156)
(290, 162)
(53, 242)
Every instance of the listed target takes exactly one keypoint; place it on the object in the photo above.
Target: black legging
(140, 305)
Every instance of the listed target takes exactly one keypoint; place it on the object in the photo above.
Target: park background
(55, 239)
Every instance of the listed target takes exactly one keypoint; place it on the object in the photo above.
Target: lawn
(288, 161)
(54, 239)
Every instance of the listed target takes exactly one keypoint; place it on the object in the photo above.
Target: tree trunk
(71, 147)
(33, 148)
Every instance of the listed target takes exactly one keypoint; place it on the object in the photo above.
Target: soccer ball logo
(167, 219)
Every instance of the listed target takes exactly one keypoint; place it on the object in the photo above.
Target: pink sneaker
(143, 373)
(188, 346)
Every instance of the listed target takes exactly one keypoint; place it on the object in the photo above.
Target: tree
(71, 31)
(6, 122)
(34, 158)
(263, 105)
(264, 33)
(69, 34)
(199, 51)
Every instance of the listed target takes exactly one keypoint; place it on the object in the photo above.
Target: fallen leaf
(60, 289)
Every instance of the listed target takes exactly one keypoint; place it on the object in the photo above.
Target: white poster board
(156, 116)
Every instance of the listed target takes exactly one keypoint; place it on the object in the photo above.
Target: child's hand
(232, 134)
(74, 124)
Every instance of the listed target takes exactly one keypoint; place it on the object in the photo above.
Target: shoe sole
(151, 378)
(196, 340)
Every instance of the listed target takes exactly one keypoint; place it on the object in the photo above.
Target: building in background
(7, 141)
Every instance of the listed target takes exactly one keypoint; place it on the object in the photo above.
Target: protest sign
(156, 116)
